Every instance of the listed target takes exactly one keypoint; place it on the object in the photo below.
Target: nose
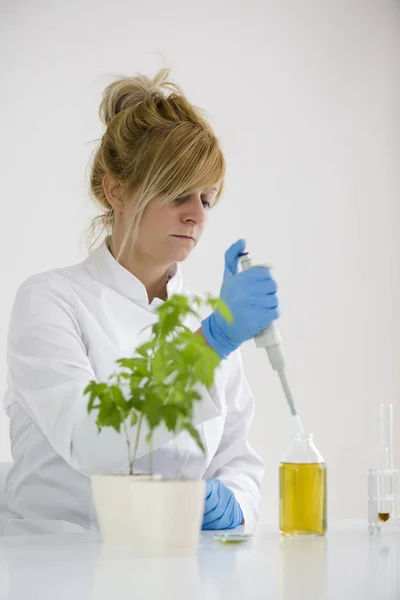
(193, 210)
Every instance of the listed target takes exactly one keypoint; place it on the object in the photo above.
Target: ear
(112, 191)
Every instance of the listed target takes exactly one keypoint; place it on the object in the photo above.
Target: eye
(183, 199)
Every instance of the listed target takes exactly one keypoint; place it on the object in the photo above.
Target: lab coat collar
(113, 274)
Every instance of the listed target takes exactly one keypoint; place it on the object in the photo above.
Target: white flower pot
(113, 504)
(167, 516)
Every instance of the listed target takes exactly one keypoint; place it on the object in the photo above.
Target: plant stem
(128, 443)
(137, 439)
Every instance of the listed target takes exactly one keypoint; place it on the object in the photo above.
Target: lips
(186, 237)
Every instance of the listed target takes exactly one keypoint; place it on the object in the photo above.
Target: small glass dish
(232, 538)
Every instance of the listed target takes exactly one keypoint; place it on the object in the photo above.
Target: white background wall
(302, 95)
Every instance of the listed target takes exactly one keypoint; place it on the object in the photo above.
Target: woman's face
(168, 233)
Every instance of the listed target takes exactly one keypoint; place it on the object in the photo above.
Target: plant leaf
(194, 434)
(170, 414)
(158, 370)
(117, 396)
(145, 349)
(96, 390)
(115, 421)
(128, 363)
(224, 310)
(152, 409)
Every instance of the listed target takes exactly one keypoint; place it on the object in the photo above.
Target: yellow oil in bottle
(302, 498)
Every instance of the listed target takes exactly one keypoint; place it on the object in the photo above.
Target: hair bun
(127, 92)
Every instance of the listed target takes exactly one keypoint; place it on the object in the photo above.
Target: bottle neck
(302, 450)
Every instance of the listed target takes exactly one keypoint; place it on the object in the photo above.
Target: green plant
(158, 383)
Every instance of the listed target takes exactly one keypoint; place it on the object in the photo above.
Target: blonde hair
(156, 144)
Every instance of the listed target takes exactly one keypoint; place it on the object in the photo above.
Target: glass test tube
(385, 464)
(386, 440)
(374, 524)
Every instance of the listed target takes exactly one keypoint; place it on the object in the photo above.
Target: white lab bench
(346, 564)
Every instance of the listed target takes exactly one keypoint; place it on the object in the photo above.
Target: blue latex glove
(221, 509)
(251, 298)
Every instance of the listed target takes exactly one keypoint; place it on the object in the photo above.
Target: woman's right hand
(251, 298)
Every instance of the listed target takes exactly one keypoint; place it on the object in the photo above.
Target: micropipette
(270, 339)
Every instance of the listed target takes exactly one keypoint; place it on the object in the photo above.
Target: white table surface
(345, 564)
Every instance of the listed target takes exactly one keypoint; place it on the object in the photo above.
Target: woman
(156, 174)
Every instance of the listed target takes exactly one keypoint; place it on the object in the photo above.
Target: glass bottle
(302, 489)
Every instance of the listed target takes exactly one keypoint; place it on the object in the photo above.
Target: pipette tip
(298, 424)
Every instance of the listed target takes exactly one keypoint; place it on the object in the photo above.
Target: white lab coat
(69, 326)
